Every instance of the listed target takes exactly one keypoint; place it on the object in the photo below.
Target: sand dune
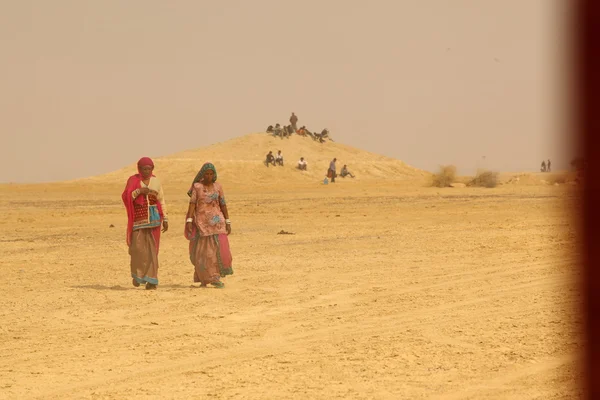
(386, 290)
(539, 178)
(240, 162)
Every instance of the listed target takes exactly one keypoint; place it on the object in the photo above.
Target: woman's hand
(144, 191)
(189, 227)
(165, 226)
(228, 228)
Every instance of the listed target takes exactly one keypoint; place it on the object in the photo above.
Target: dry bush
(445, 177)
(486, 179)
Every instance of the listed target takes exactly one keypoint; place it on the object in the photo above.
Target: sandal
(150, 286)
(218, 284)
(135, 283)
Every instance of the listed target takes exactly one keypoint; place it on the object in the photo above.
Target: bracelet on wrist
(189, 220)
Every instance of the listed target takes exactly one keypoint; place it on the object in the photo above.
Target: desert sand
(387, 288)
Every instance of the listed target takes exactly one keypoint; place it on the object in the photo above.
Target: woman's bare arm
(191, 210)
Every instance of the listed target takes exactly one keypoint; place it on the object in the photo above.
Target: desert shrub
(486, 179)
(445, 177)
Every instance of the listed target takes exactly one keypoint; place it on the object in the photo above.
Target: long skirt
(211, 257)
(144, 256)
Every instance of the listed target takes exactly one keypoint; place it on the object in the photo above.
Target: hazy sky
(87, 87)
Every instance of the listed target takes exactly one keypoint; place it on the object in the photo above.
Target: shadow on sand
(119, 287)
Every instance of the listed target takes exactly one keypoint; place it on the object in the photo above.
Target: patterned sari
(209, 244)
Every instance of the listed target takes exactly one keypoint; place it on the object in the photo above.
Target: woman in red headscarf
(146, 212)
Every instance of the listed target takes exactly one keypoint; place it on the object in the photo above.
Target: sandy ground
(384, 291)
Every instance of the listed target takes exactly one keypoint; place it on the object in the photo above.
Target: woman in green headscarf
(206, 227)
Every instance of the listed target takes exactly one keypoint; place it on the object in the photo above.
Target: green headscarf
(200, 176)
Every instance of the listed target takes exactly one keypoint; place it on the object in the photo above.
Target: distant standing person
(331, 170)
(146, 211)
(543, 169)
(293, 121)
(206, 227)
(548, 166)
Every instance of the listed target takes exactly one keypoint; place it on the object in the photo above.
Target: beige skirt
(144, 256)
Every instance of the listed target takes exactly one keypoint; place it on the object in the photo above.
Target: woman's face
(209, 175)
(146, 171)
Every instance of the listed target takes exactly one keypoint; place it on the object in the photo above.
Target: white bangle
(228, 222)
(189, 220)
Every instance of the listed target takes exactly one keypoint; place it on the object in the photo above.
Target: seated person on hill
(302, 164)
(288, 130)
(270, 159)
(270, 129)
(277, 131)
(279, 158)
(345, 172)
(321, 136)
(301, 131)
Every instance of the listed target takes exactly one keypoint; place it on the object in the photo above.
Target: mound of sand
(537, 178)
(240, 162)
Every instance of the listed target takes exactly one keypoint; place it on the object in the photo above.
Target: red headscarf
(135, 182)
(143, 162)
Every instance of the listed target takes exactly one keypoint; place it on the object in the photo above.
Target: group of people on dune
(302, 165)
(207, 226)
(277, 160)
(289, 130)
